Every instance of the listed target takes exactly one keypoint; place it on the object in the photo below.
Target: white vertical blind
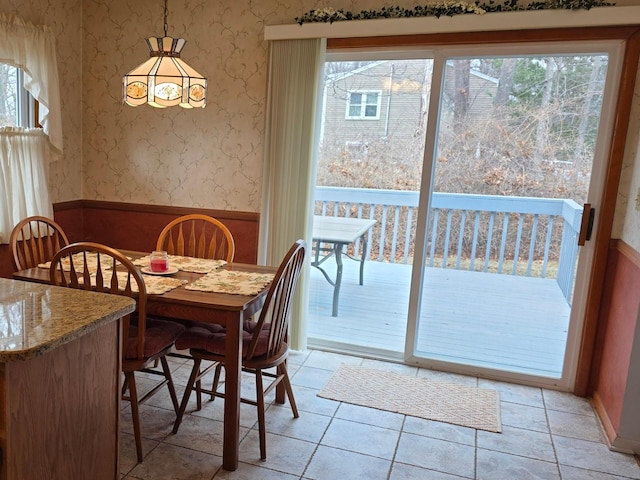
(289, 166)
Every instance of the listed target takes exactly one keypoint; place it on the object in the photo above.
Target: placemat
(186, 264)
(78, 262)
(156, 285)
(230, 281)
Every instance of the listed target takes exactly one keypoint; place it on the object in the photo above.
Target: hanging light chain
(166, 14)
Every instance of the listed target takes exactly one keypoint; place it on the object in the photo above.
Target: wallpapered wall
(206, 158)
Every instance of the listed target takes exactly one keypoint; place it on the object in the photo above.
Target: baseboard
(603, 416)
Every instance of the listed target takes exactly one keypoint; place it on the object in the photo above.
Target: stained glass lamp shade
(165, 80)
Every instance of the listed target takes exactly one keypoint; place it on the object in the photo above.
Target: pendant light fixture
(165, 80)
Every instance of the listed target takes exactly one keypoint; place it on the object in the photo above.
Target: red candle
(159, 262)
(159, 265)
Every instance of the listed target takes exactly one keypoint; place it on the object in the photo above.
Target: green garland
(446, 8)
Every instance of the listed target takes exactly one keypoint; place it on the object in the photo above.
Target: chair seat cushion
(159, 335)
(212, 338)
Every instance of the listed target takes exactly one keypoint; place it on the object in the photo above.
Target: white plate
(148, 271)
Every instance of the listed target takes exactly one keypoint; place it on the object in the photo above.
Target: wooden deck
(515, 324)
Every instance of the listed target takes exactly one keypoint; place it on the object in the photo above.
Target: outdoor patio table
(339, 232)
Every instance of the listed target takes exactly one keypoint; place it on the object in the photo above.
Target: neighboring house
(386, 102)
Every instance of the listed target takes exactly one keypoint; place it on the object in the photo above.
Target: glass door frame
(615, 51)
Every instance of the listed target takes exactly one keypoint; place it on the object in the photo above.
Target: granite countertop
(36, 318)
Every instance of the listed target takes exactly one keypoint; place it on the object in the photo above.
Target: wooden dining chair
(199, 236)
(264, 344)
(144, 340)
(35, 240)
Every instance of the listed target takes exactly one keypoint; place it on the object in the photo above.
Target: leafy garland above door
(445, 8)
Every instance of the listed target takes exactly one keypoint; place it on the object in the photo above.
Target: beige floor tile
(523, 416)
(520, 394)
(333, 463)
(400, 471)
(168, 462)
(308, 426)
(566, 402)
(311, 377)
(503, 466)
(594, 456)
(247, 471)
(307, 400)
(435, 454)
(361, 438)
(284, 454)
(584, 427)
(518, 441)
(441, 430)
(329, 360)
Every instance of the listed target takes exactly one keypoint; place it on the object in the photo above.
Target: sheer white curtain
(289, 169)
(25, 152)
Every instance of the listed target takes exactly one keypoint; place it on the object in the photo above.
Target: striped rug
(471, 407)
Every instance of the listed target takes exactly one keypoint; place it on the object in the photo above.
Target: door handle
(586, 226)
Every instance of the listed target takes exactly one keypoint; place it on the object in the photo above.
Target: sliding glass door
(516, 137)
(370, 165)
(475, 164)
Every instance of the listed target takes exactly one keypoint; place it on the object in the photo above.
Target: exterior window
(16, 104)
(364, 105)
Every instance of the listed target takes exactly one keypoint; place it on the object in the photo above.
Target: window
(16, 103)
(364, 105)
(25, 152)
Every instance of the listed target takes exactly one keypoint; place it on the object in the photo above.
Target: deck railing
(507, 235)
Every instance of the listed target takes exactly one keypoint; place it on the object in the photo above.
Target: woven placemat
(233, 282)
(472, 407)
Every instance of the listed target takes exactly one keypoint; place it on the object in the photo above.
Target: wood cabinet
(60, 360)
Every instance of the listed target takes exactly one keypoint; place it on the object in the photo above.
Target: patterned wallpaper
(208, 158)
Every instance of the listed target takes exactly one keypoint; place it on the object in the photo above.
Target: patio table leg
(338, 281)
(362, 258)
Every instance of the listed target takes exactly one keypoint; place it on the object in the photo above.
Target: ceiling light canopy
(165, 80)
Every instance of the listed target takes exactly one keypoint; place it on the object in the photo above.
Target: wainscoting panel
(615, 342)
(130, 226)
(136, 227)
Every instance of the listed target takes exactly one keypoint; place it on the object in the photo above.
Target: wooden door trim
(602, 234)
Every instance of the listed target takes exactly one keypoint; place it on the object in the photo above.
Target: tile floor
(546, 435)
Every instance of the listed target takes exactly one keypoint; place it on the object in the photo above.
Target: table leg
(233, 364)
(362, 258)
(338, 281)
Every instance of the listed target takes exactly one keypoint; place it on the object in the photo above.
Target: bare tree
(544, 121)
(505, 82)
(461, 92)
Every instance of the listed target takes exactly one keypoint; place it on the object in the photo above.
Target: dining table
(227, 309)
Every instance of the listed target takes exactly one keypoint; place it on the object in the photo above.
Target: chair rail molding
(493, 21)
